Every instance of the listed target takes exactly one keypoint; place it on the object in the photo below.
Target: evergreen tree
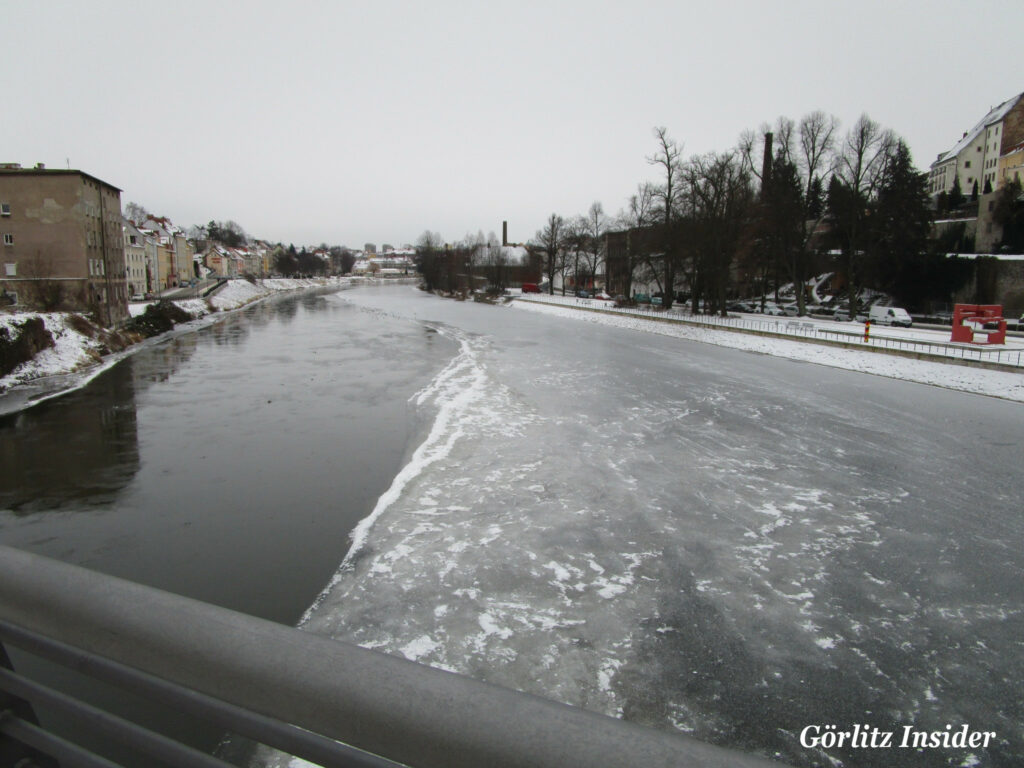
(815, 199)
(1009, 214)
(784, 210)
(956, 195)
(847, 207)
(901, 219)
(988, 188)
(974, 192)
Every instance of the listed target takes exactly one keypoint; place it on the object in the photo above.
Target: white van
(890, 316)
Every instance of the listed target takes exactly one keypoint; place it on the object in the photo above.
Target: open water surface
(228, 464)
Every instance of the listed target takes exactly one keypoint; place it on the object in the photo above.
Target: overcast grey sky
(362, 122)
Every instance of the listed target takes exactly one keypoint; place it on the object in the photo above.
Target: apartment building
(977, 157)
(62, 243)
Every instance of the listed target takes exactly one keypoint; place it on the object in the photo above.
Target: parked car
(531, 288)
(890, 316)
(791, 310)
(581, 294)
(773, 309)
(842, 314)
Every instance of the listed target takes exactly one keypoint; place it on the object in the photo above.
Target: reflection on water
(81, 448)
(228, 464)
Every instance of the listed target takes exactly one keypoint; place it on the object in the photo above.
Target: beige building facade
(61, 243)
(1011, 165)
(977, 157)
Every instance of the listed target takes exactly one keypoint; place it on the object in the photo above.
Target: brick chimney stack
(766, 162)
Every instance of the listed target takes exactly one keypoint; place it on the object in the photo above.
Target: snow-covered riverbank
(966, 379)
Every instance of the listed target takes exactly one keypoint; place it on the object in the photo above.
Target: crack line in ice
(455, 389)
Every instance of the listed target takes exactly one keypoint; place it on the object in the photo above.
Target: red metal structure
(971, 321)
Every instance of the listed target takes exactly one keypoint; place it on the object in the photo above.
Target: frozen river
(728, 544)
(732, 545)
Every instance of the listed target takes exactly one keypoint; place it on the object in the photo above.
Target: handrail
(228, 717)
(386, 705)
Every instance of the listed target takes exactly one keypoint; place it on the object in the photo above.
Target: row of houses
(67, 246)
(391, 263)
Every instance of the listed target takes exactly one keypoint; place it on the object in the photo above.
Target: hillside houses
(223, 261)
(980, 165)
(175, 265)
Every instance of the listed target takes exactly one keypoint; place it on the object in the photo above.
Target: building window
(5, 209)
(8, 239)
(11, 269)
(966, 164)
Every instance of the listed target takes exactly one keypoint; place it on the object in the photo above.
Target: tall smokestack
(504, 233)
(766, 162)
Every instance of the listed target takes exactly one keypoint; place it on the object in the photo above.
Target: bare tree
(748, 146)
(135, 213)
(817, 159)
(667, 159)
(495, 263)
(720, 197)
(549, 241)
(817, 146)
(784, 138)
(637, 216)
(863, 155)
(808, 148)
(860, 168)
(45, 289)
(594, 226)
(576, 260)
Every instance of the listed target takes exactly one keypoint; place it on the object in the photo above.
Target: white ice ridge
(455, 390)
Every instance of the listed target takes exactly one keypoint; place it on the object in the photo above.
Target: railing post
(14, 752)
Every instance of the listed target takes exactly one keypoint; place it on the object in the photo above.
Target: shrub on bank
(29, 338)
(158, 318)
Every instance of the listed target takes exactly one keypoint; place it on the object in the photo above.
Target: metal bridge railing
(328, 702)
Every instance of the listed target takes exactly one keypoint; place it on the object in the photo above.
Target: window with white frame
(11, 269)
(8, 238)
(5, 209)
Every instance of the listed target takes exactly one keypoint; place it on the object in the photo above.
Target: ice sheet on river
(664, 561)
